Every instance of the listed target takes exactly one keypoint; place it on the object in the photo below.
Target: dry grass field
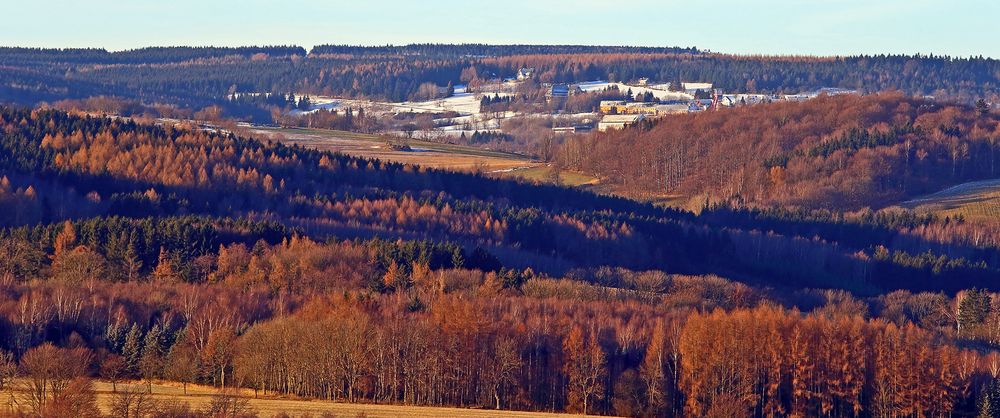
(978, 200)
(424, 153)
(200, 396)
(543, 173)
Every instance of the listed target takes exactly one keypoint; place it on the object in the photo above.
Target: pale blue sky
(810, 27)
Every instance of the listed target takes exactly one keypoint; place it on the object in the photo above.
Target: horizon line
(384, 45)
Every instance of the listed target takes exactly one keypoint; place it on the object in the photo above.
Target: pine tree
(131, 262)
(676, 85)
(982, 107)
(132, 350)
(989, 400)
(151, 361)
(973, 308)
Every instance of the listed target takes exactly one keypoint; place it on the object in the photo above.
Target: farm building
(558, 90)
(618, 121)
(669, 109)
(525, 73)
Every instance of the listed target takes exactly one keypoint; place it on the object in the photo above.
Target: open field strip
(199, 396)
(424, 153)
(973, 200)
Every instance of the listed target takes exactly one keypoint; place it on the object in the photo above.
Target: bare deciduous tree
(133, 402)
(49, 371)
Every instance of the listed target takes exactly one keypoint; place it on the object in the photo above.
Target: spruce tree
(132, 350)
(989, 401)
(982, 107)
(151, 361)
(973, 309)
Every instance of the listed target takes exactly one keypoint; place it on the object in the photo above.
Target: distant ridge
(147, 55)
(478, 49)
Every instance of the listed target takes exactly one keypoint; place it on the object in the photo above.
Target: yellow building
(611, 106)
(638, 109)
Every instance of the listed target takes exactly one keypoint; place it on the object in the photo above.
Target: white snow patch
(659, 94)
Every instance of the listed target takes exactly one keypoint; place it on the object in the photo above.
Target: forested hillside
(58, 166)
(140, 251)
(844, 152)
(195, 78)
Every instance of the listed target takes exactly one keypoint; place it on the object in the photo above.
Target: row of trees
(474, 347)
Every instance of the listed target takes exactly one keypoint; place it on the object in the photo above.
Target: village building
(616, 122)
(835, 91)
(671, 109)
(638, 108)
(610, 106)
(557, 90)
(797, 97)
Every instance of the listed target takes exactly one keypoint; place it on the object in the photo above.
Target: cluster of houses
(620, 114)
(622, 107)
(689, 97)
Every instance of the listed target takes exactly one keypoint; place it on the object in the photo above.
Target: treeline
(195, 78)
(149, 55)
(125, 248)
(486, 50)
(943, 79)
(843, 152)
(339, 119)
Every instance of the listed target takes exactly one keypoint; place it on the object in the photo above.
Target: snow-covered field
(463, 103)
(659, 94)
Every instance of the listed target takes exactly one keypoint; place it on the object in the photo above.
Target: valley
(492, 230)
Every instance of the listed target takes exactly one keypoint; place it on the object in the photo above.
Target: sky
(772, 27)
